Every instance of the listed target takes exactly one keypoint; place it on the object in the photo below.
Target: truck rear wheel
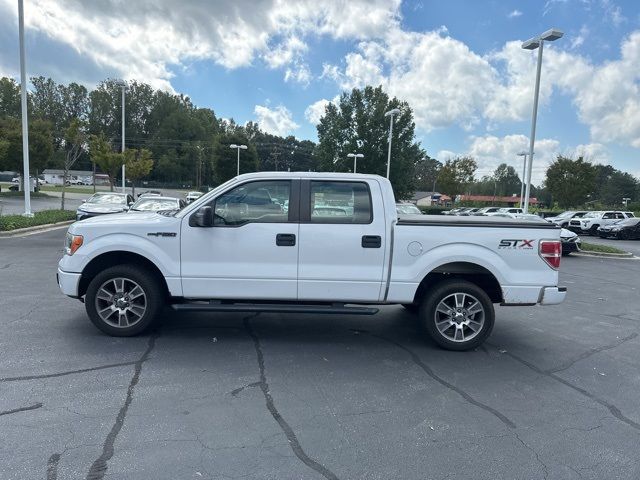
(124, 300)
(457, 314)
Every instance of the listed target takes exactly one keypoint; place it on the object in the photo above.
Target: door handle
(371, 241)
(285, 240)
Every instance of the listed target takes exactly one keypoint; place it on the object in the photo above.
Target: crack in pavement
(615, 411)
(294, 443)
(528, 447)
(99, 467)
(52, 466)
(235, 392)
(4, 267)
(22, 409)
(420, 363)
(591, 351)
(68, 372)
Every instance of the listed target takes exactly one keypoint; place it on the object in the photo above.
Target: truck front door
(251, 252)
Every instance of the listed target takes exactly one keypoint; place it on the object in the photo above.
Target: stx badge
(512, 244)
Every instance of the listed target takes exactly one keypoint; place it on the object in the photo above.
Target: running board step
(273, 308)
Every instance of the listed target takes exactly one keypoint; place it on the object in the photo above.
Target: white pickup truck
(309, 243)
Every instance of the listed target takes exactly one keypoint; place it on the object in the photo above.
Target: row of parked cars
(604, 223)
(103, 203)
(570, 240)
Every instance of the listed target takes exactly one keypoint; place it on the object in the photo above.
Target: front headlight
(72, 243)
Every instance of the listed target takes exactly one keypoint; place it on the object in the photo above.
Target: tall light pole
(532, 44)
(238, 147)
(123, 85)
(355, 157)
(524, 171)
(390, 113)
(625, 200)
(26, 181)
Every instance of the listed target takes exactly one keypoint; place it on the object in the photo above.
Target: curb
(20, 231)
(604, 254)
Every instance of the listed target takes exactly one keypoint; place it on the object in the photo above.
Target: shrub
(13, 222)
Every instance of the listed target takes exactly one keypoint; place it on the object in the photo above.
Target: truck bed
(471, 221)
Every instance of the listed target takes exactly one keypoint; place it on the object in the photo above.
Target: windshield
(591, 214)
(155, 204)
(99, 198)
(566, 214)
(408, 210)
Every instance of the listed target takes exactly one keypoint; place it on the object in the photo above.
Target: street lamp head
(355, 155)
(523, 154)
(395, 111)
(243, 147)
(551, 35)
(531, 44)
(233, 145)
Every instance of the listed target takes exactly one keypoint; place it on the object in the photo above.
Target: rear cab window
(340, 202)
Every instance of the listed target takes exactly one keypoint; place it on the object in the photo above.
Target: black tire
(622, 235)
(443, 292)
(594, 230)
(149, 284)
(412, 307)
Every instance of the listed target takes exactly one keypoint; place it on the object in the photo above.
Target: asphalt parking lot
(553, 394)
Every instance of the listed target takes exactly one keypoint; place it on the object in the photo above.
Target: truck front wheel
(124, 300)
(457, 314)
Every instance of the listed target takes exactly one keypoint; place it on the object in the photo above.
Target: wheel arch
(113, 258)
(471, 272)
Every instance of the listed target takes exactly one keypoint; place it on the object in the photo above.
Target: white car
(191, 196)
(564, 218)
(235, 250)
(591, 221)
(408, 209)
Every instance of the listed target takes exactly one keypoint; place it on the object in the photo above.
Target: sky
(459, 64)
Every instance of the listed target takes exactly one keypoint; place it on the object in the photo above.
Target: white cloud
(490, 151)
(277, 121)
(146, 38)
(514, 14)
(298, 73)
(315, 111)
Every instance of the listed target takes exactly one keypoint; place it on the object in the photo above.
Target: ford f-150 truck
(309, 243)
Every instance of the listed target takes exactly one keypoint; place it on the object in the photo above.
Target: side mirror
(202, 218)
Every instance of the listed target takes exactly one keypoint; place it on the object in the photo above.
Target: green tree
(138, 165)
(618, 186)
(426, 173)
(9, 98)
(40, 144)
(75, 143)
(358, 124)
(226, 158)
(570, 181)
(105, 158)
(506, 180)
(456, 175)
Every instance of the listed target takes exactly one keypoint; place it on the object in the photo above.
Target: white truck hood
(142, 223)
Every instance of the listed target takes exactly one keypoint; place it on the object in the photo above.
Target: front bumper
(552, 295)
(569, 247)
(68, 282)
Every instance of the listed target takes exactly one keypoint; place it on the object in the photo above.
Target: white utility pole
(524, 172)
(26, 180)
(390, 113)
(238, 147)
(123, 85)
(532, 44)
(625, 200)
(355, 157)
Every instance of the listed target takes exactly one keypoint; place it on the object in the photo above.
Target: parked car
(511, 210)
(591, 221)
(469, 211)
(156, 203)
(453, 211)
(150, 192)
(408, 209)
(103, 203)
(224, 254)
(15, 180)
(628, 229)
(565, 217)
(485, 210)
(191, 196)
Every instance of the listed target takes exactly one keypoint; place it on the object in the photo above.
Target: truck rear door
(342, 241)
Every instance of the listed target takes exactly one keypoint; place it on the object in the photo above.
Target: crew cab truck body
(339, 248)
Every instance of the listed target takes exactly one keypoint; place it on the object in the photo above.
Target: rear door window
(340, 202)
